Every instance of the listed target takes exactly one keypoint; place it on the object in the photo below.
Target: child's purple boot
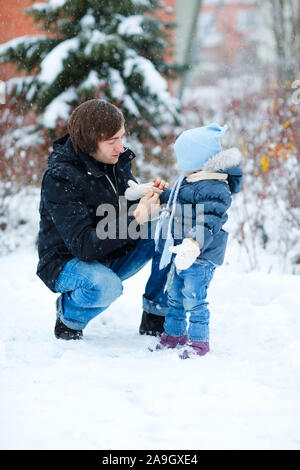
(171, 342)
(197, 348)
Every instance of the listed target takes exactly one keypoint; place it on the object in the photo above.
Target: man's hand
(186, 253)
(147, 205)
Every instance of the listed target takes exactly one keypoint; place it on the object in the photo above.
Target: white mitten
(136, 191)
(186, 253)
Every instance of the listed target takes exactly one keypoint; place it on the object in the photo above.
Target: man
(89, 169)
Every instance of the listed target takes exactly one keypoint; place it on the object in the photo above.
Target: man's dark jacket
(73, 187)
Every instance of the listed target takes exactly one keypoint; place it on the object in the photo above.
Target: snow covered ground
(110, 392)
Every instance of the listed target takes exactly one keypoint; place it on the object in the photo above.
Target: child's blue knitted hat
(195, 146)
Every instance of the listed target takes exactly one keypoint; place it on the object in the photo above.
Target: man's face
(109, 150)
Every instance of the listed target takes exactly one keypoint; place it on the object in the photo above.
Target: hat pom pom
(220, 130)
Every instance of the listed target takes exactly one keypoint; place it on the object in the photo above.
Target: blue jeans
(187, 294)
(88, 288)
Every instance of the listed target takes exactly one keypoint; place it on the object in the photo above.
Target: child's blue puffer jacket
(201, 207)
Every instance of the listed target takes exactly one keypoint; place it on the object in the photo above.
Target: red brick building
(226, 36)
(14, 23)
(228, 33)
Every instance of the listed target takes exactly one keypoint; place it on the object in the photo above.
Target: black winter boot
(61, 331)
(151, 324)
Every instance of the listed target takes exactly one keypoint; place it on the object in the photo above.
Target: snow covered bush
(265, 217)
(19, 217)
(22, 162)
(22, 159)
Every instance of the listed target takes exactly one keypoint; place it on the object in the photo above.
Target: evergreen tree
(113, 49)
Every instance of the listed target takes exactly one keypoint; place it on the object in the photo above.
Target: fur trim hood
(223, 160)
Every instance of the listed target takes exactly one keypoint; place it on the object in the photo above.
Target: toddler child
(196, 236)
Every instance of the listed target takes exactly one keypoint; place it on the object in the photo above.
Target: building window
(247, 19)
(207, 35)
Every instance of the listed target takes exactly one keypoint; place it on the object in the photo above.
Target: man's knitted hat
(195, 146)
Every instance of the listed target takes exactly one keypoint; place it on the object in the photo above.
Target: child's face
(191, 172)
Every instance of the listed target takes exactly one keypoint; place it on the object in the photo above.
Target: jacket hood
(223, 160)
(62, 151)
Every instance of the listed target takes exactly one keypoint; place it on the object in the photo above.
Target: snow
(87, 21)
(131, 25)
(153, 81)
(19, 214)
(92, 80)
(56, 3)
(59, 108)
(50, 5)
(21, 138)
(135, 63)
(17, 83)
(110, 392)
(94, 38)
(117, 86)
(141, 2)
(21, 40)
(52, 65)
(130, 105)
